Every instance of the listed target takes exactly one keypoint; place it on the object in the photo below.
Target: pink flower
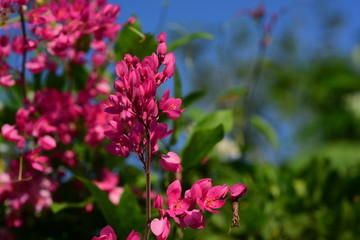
(109, 184)
(107, 233)
(47, 142)
(171, 106)
(115, 195)
(237, 191)
(7, 81)
(176, 205)
(160, 228)
(69, 158)
(11, 134)
(39, 162)
(134, 236)
(170, 162)
(212, 198)
(37, 64)
(194, 219)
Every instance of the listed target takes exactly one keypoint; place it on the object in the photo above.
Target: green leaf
(131, 40)
(79, 75)
(130, 213)
(184, 40)
(266, 129)
(57, 207)
(200, 144)
(192, 97)
(54, 81)
(224, 117)
(107, 208)
(177, 84)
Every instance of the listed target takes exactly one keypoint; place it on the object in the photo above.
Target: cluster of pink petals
(44, 120)
(36, 190)
(183, 210)
(45, 128)
(107, 233)
(64, 25)
(135, 107)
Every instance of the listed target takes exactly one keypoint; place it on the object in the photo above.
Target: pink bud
(162, 37)
(158, 202)
(131, 20)
(162, 49)
(121, 69)
(237, 191)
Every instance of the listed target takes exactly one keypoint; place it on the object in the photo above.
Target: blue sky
(301, 14)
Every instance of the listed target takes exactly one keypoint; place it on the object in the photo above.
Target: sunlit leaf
(57, 207)
(266, 129)
(224, 117)
(130, 213)
(131, 40)
(192, 97)
(200, 144)
(184, 40)
(107, 208)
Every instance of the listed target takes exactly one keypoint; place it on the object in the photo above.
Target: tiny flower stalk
(237, 191)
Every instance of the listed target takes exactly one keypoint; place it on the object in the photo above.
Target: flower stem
(20, 167)
(22, 77)
(148, 185)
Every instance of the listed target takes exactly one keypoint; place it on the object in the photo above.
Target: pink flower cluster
(65, 29)
(35, 190)
(136, 109)
(183, 210)
(47, 125)
(107, 233)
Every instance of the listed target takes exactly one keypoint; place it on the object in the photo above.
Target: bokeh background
(297, 102)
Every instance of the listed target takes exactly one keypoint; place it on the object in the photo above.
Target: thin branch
(22, 76)
(148, 184)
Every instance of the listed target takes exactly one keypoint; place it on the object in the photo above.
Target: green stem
(137, 32)
(20, 167)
